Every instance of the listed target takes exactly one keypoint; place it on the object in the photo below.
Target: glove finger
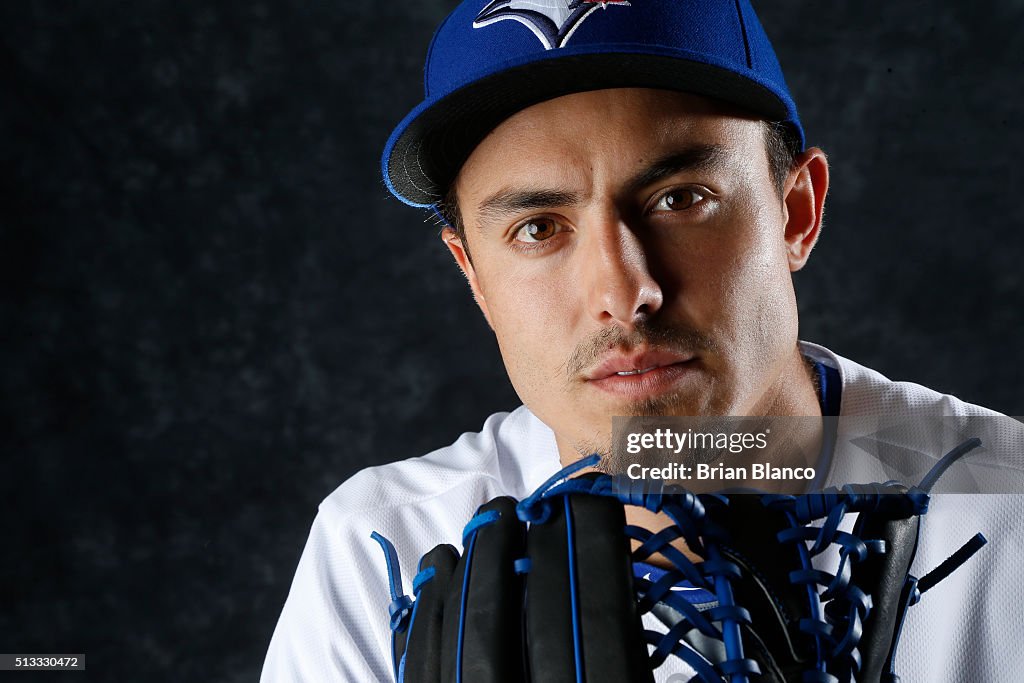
(884, 577)
(582, 621)
(421, 654)
(482, 638)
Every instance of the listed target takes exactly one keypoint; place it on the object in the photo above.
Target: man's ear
(804, 204)
(461, 254)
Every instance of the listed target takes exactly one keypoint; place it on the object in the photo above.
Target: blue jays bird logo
(552, 21)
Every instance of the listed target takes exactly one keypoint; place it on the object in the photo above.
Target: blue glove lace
(836, 630)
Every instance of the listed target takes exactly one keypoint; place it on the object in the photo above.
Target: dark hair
(780, 142)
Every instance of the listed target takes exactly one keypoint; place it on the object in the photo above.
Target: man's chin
(678, 404)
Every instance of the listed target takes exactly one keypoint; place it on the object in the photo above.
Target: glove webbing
(836, 632)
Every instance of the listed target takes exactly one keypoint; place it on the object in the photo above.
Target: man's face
(632, 254)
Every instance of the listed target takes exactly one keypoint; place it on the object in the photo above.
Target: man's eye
(536, 230)
(677, 200)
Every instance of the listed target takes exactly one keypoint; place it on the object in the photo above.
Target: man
(627, 191)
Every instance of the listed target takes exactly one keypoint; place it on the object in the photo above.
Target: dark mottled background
(213, 314)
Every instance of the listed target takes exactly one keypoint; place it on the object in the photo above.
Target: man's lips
(641, 375)
(635, 364)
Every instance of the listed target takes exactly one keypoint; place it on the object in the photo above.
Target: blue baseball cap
(493, 58)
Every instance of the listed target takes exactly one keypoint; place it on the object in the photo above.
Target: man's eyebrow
(696, 158)
(505, 202)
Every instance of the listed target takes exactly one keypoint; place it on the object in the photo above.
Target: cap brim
(429, 147)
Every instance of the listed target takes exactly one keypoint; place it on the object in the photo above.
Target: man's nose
(617, 274)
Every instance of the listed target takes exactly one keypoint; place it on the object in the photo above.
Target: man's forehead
(565, 137)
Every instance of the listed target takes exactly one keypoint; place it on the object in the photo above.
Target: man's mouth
(642, 373)
(635, 363)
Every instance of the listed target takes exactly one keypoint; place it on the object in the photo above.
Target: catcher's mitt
(548, 590)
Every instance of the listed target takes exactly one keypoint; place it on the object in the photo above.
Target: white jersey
(334, 625)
